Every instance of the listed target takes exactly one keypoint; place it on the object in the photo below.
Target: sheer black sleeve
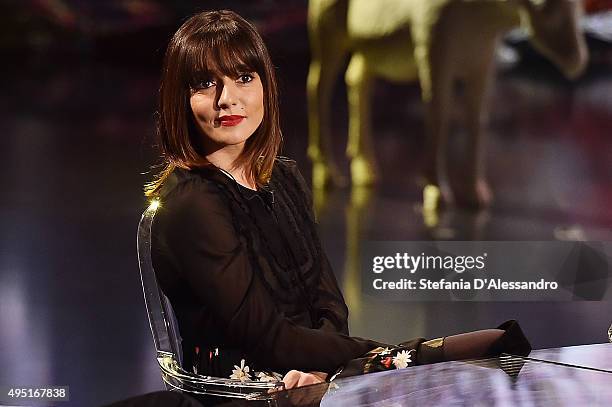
(214, 262)
(331, 308)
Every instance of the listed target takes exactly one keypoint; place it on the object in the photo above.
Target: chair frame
(166, 335)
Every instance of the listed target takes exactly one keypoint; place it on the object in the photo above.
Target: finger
(320, 375)
(304, 380)
(307, 378)
(277, 388)
(291, 379)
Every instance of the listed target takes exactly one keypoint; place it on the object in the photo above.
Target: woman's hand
(296, 378)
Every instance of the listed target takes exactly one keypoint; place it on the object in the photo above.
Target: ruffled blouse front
(244, 270)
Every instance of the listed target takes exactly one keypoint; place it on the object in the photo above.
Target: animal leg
(473, 191)
(328, 42)
(435, 77)
(359, 147)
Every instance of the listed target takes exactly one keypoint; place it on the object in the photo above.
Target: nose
(227, 96)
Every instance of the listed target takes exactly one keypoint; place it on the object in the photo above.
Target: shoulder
(191, 200)
(285, 162)
(187, 188)
(288, 175)
(288, 169)
(195, 214)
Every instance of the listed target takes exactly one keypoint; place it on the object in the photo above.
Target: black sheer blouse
(247, 276)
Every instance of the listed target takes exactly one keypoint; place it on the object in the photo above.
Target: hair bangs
(224, 54)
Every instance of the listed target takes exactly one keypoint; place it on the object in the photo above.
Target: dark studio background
(79, 82)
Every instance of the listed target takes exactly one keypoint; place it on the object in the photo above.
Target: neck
(225, 157)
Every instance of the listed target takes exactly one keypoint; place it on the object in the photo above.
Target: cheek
(257, 102)
(194, 108)
(199, 108)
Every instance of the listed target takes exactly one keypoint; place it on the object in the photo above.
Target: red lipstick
(230, 120)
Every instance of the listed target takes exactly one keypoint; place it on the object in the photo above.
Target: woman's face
(228, 110)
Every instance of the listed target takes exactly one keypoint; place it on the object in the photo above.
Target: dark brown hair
(213, 42)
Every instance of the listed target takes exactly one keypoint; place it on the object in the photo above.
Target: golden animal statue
(437, 42)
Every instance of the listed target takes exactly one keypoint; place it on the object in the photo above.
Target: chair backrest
(166, 334)
(164, 328)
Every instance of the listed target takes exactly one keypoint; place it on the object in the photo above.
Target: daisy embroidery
(402, 359)
(265, 377)
(241, 372)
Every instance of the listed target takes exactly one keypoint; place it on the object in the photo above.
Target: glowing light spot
(154, 205)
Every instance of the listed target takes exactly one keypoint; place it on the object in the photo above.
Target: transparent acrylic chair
(166, 335)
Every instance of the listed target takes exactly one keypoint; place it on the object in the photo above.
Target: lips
(230, 120)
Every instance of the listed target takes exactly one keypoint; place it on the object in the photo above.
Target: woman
(235, 243)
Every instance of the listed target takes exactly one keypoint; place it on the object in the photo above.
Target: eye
(205, 84)
(245, 78)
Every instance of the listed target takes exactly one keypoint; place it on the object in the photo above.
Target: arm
(332, 311)
(214, 262)
(331, 308)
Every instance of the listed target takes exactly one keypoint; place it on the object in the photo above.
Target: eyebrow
(207, 74)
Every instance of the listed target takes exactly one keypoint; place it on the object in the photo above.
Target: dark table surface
(562, 376)
(592, 357)
(571, 376)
